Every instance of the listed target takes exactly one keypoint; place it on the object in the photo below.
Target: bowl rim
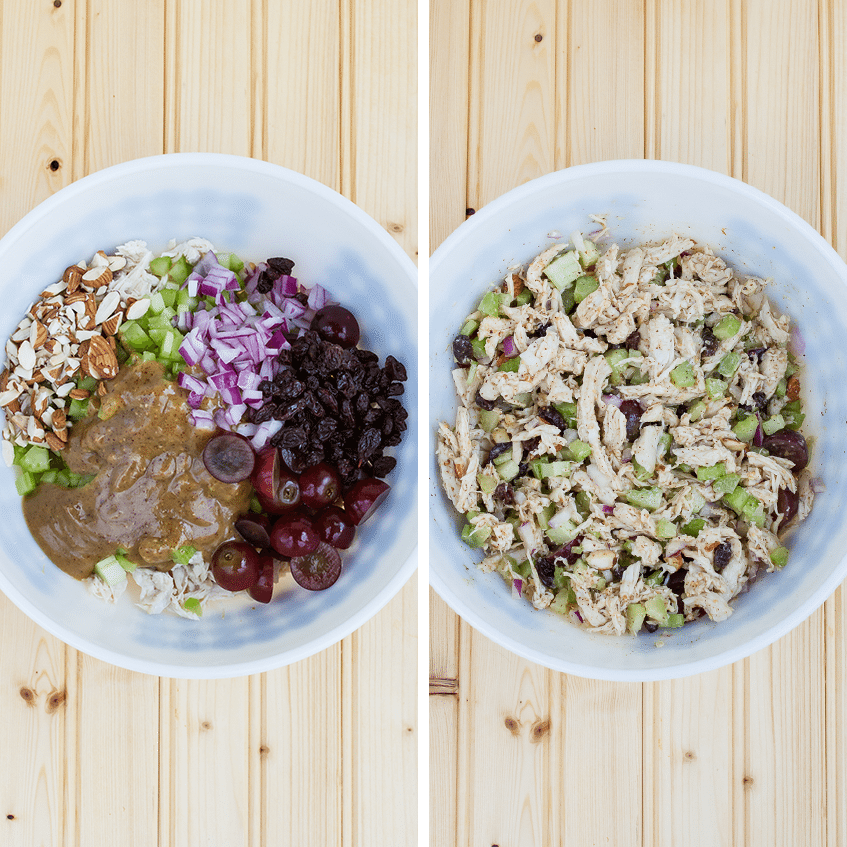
(480, 219)
(32, 219)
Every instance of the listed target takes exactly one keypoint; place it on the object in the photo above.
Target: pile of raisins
(337, 405)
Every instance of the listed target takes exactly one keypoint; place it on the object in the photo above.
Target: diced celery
(559, 535)
(88, 383)
(600, 583)
(523, 569)
(568, 412)
(556, 469)
(478, 345)
(160, 265)
(655, 608)
(490, 304)
(487, 484)
(78, 409)
(753, 511)
(711, 472)
(693, 527)
(149, 356)
(682, 376)
(794, 420)
(614, 358)
(508, 470)
(665, 528)
(171, 341)
(168, 296)
(726, 327)
(132, 334)
(182, 555)
(584, 286)
(655, 578)
(665, 441)
(729, 364)
(505, 456)
(641, 473)
(183, 298)
(488, 419)
(511, 365)
(661, 276)
(524, 297)
(120, 557)
(773, 424)
(76, 480)
(543, 517)
(192, 604)
(583, 503)
(537, 466)
(562, 601)
(157, 303)
(579, 450)
(180, 270)
(475, 536)
(36, 459)
(26, 483)
(675, 621)
(781, 388)
(589, 254)
(48, 476)
(779, 556)
(109, 406)
(696, 501)
(563, 270)
(737, 500)
(644, 498)
(110, 571)
(715, 388)
(696, 410)
(523, 400)
(745, 429)
(726, 484)
(568, 301)
(469, 327)
(635, 614)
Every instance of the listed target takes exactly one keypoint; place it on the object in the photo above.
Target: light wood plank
(380, 693)
(448, 116)
(443, 786)
(379, 123)
(444, 642)
(512, 86)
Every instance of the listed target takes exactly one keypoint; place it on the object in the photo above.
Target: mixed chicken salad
(627, 447)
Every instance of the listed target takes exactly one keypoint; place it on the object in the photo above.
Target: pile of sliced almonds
(68, 332)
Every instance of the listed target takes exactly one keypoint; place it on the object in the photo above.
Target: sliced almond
(102, 361)
(137, 309)
(54, 442)
(107, 306)
(97, 276)
(59, 420)
(110, 327)
(79, 394)
(76, 297)
(117, 263)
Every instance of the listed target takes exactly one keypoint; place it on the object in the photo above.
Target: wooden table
(322, 752)
(756, 753)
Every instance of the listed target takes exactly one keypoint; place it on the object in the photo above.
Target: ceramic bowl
(257, 210)
(647, 201)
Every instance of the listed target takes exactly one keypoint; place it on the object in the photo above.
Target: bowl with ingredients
(638, 433)
(208, 393)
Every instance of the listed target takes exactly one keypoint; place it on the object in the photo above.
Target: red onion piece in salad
(509, 349)
(796, 342)
(612, 400)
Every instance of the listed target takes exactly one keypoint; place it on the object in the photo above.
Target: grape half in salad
(627, 449)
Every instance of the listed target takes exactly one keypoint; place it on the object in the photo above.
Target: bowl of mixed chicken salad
(630, 417)
(207, 433)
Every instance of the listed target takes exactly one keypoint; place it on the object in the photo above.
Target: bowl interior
(257, 210)
(648, 201)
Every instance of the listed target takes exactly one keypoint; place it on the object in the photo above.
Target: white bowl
(257, 210)
(645, 201)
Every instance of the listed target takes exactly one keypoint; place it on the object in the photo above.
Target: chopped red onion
(608, 510)
(759, 437)
(517, 588)
(318, 297)
(817, 485)
(612, 400)
(796, 342)
(509, 348)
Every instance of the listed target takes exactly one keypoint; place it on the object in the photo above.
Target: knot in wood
(28, 695)
(539, 729)
(513, 725)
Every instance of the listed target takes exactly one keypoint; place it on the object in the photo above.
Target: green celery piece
(729, 364)
(556, 469)
(779, 556)
(523, 400)
(110, 571)
(537, 466)
(568, 301)
(490, 304)
(697, 501)
(675, 621)
(737, 500)
(635, 614)
(511, 365)
(121, 558)
(562, 601)
(745, 429)
(655, 578)
(665, 528)
(579, 450)
(76, 480)
(87, 383)
(693, 527)
(524, 297)
(180, 270)
(36, 459)
(661, 276)
(488, 419)
(26, 483)
(726, 327)
(641, 473)
(78, 409)
(781, 388)
(235, 264)
(160, 265)
(157, 303)
(563, 270)
(475, 536)
(644, 498)
(543, 517)
(469, 327)
(486, 483)
(192, 604)
(682, 376)
(584, 286)
(182, 555)
(523, 569)
(508, 470)
(665, 442)
(614, 358)
(715, 388)
(132, 334)
(568, 412)
(49, 476)
(561, 578)
(711, 472)
(753, 512)
(478, 345)
(505, 456)
(169, 295)
(600, 584)
(583, 503)
(589, 254)
(559, 534)
(696, 410)
(794, 420)
(655, 608)
(726, 484)
(773, 424)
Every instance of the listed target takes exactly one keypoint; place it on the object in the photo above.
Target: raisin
(395, 370)
(710, 341)
(546, 568)
(463, 350)
(552, 416)
(384, 465)
(633, 340)
(480, 401)
(368, 442)
(505, 493)
(281, 265)
(540, 332)
(498, 449)
(722, 555)
(396, 389)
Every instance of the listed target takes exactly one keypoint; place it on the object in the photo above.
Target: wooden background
(319, 753)
(754, 754)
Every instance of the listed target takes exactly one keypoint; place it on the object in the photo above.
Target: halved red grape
(265, 476)
(335, 527)
(235, 565)
(318, 570)
(294, 534)
(276, 487)
(788, 444)
(229, 457)
(337, 325)
(320, 485)
(253, 528)
(262, 591)
(363, 499)
(787, 503)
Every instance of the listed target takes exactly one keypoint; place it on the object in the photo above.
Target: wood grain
(301, 755)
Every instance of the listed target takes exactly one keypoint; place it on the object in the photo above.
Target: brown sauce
(152, 493)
